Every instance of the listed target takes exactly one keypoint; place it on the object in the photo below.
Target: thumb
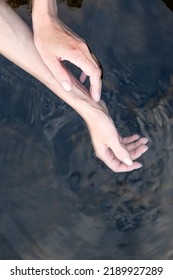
(122, 154)
(60, 73)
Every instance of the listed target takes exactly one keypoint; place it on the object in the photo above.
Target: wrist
(77, 98)
(89, 110)
(44, 11)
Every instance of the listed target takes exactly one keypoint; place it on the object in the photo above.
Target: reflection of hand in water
(56, 43)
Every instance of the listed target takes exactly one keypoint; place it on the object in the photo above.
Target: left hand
(55, 43)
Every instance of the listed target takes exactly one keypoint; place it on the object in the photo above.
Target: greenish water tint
(56, 201)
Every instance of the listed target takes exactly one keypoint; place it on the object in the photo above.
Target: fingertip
(83, 77)
(95, 88)
(137, 136)
(146, 148)
(128, 161)
(139, 166)
(145, 140)
(96, 97)
(66, 85)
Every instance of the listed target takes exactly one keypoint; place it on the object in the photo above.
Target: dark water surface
(56, 202)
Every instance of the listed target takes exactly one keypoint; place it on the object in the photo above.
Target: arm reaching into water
(56, 42)
(16, 44)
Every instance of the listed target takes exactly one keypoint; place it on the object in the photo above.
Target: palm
(110, 147)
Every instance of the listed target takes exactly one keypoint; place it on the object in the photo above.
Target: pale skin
(56, 43)
(118, 153)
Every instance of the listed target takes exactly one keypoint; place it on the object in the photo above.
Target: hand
(116, 152)
(56, 43)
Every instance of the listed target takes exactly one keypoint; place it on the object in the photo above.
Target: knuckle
(83, 45)
(77, 53)
(73, 47)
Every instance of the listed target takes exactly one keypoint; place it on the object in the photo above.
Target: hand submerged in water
(55, 43)
(116, 152)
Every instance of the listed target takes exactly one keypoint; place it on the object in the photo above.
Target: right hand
(116, 152)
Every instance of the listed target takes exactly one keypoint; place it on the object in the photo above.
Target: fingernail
(128, 161)
(146, 148)
(66, 85)
(145, 140)
(97, 97)
(139, 166)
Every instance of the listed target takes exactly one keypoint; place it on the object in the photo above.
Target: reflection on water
(55, 201)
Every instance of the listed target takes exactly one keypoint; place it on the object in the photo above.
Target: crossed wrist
(89, 110)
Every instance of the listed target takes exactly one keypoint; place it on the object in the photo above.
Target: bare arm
(16, 44)
(56, 43)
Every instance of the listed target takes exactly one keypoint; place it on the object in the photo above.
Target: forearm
(44, 10)
(16, 44)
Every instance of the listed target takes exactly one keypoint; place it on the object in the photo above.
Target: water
(56, 200)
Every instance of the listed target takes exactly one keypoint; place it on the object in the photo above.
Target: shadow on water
(169, 4)
(56, 202)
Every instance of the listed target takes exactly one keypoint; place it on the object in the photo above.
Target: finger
(60, 73)
(136, 153)
(96, 60)
(95, 87)
(83, 77)
(79, 59)
(89, 54)
(110, 160)
(103, 104)
(134, 145)
(124, 168)
(130, 139)
(120, 152)
(115, 165)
